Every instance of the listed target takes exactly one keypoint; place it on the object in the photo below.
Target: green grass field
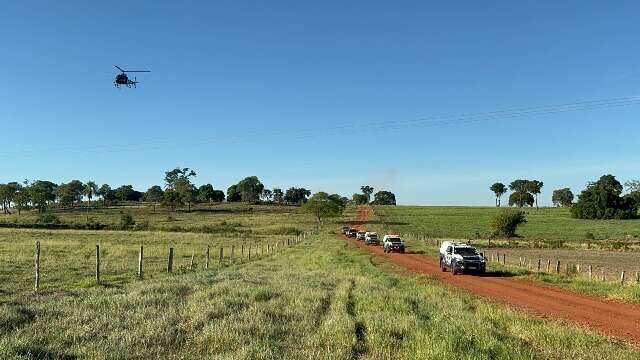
(551, 225)
(320, 299)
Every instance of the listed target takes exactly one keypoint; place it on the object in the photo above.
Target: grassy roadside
(321, 299)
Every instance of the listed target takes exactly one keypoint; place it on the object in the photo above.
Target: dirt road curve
(610, 318)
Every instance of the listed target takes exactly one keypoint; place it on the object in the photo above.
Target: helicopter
(123, 79)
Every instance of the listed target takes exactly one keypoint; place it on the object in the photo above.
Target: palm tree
(499, 189)
(90, 189)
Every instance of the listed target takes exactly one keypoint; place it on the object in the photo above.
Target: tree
(322, 205)
(296, 196)
(519, 187)
(205, 193)
(76, 187)
(154, 195)
(535, 187)
(367, 191)
(42, 192)
(106, 194)
(562, 197)
(359, 199)
(66, 195)
(602, 200)
(7, 194)
(384, 198)
(22, 197)
(218, 196)
(521, 199)
(250, 189)
(232, 194)
(278, 196)
(267, 195)
(90, 189)
(633, 187)
(499, 189)
(171, 199)
(179, 180)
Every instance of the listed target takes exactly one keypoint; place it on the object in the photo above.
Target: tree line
(602, 199)
(177, 191)
(379, 198)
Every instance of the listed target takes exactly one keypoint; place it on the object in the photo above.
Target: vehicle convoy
(352, 233)
(360, 235)
(461, 258)
(393, 243)
(371, 237)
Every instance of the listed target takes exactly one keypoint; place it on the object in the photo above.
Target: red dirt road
(608, 317)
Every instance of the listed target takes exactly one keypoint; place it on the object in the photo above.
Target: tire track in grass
(360, 347)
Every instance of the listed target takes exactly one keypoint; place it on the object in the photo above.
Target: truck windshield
(395, 240)
(466, 251)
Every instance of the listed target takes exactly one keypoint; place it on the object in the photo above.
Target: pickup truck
(371, 237)
(393, 243)
(461, 258)
(352, 233)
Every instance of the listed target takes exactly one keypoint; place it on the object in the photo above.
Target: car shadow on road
(497, 273)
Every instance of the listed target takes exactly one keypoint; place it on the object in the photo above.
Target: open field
(550, 225)
(321, 299)
(222, 218)
(68, 256)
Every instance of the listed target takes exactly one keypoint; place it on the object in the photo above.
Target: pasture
(321, 299)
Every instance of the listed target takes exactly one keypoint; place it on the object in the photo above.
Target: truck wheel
(454, 269)
(442, 267)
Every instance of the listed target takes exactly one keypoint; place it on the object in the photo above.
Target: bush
(589, 236)
(506, 223)
(126, 221)
(48, 219)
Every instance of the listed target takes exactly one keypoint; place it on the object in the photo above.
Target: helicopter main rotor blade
(119, 68)
(130, 71)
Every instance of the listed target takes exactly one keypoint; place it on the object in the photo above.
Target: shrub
(589, 236)
(48, 219)
(126, 221)
(506, 223)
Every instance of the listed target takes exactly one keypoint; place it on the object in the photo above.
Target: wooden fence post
(98, 264)
(37, 286)
(637, 277)
(603, 276)
(558, 267)
(140, 261)
(249, 252)
(242, 252)
(520, 261)
(221, 254)
(170, 261)
(548, 265)
(590, 271)
(622, 278)
(504, 259)
(539, 265)
(191, 264)
(206, 261)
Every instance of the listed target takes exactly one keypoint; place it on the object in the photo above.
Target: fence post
(590, 271)
(603, 276)
(504, 259)
(548, 265)
(249, 252)
(637, 277)
(221, 254)
(622, 278)
(193, 255)
(98, 264)
(539, 265)
(37, 286)
(233, 249)
(520, 261)
(206, 261)
(558, 267)
(242, 252)
(170, 261)
(140, 261)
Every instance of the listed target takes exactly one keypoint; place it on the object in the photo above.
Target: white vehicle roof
(371, 233)
(446, 244)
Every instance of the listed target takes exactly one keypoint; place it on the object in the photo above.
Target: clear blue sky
(235, 85)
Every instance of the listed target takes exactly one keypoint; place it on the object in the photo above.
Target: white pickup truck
(461, 258)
